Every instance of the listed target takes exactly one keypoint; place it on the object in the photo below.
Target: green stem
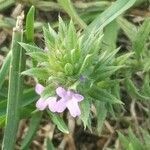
(15, 89)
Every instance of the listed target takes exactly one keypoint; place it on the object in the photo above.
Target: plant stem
(15, 89)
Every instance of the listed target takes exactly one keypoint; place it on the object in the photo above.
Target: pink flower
(42, 104)
(68, 99)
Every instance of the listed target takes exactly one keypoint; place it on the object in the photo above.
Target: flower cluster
(64, 99)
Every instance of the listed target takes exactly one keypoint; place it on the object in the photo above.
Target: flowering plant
(74, 72)
(80, 76)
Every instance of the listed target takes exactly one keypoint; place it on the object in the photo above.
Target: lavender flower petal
(61, 91)
(41, 104)
(61, 105)
(78, 97)
(52, 101)
(73, 108)
(39, 88)
(69, 94)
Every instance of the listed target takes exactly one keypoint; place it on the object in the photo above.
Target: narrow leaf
(33, 126)
(103, 95)
(141, 38)
(15, 89)
(5, 69)
(109, 15)
(30, 48)
(30, 25)
(59, 122)
(39, 56)
(50, 145)
(101, 112)
(129, 29)
(133, 91)
(85, 107)
(39, 73)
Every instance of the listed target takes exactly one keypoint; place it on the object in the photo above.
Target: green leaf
(30, 48)
(50, 145)
(133, 91)
(29, 96)
(68, 69)
(71, 37)
(96, 46)
(110, 36)
(108, 15)
(30, 25)
(129, 29)
(103, 95)
(106, 58)
(39, 73)
(4, 69)
(130, 147)
(146, 64)
(15, 89)
(87, 44)
(101, 112)
(33, 126)
(5, 4)
(105, 72)
(3, 106)
(146, 137)
(86, 63)
(123, 140)
(50, 37)
(75, 55)
(85, 112)
(146, 85)
(116, 89)
(2, 121)
(62, 29)
(39, 56)
(141, 38)
(121, 60)
(137, 145)
(59, 122)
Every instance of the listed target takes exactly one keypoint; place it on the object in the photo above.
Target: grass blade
(34, 123)
(15, 89)
(109, 15)
(129, 29)
(30, 25)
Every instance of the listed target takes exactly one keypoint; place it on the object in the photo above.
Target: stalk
(15, 88)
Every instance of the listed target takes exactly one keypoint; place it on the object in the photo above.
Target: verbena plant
(79, 72)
